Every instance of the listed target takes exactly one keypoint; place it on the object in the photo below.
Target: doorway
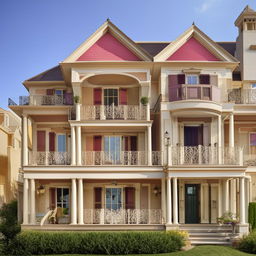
(192, 203)
(193, 135)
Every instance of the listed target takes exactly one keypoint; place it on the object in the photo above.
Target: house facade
(142, 135)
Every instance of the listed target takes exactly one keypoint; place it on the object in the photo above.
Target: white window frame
(122, 196)
(192, 75)
(109, 88)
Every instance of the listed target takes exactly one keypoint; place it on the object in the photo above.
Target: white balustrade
(242, 96)
(39, 100)
(49, 158)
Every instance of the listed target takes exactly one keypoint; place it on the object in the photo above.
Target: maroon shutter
(204, 79)
(129, 198)
(123, 96)
(126, 143)
(97, 92)
(181, 79)
(51, 141)
(52, 198)
(97, 143)
(133, 143)
(97, 198)
(40, 141)
(174, 87)
(49, 91)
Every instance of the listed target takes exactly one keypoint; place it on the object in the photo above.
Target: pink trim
(108, 48)
(194, 51)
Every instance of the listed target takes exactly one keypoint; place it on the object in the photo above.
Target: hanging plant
(76, 99)
(144, 100)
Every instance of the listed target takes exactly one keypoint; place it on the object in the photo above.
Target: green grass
(207, 250)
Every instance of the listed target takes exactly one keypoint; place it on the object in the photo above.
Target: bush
(252, 215)
(9, 226)
(248, 243)
(132, 242)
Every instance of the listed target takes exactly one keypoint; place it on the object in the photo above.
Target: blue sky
(37, 34)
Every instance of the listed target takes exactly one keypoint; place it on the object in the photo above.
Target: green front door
(192, 203)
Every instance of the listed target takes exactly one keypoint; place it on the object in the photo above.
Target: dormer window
(251, 26)
(192, 79)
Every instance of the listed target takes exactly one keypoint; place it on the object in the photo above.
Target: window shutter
(133, 143)
(97, 143)
(129, 198)
(174, 88)
(126, 143)
(97, 92)
(52, 141)
(204, 79)
(97, 198)
(181, 79)
(49, 91)
(52, 198)
(40, 141)
(123, 96)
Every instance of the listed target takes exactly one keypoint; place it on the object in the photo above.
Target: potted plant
(229, 218)
(144, 100)
(76, 99)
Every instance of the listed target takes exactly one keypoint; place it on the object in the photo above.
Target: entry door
(192, 203)
(193, 135)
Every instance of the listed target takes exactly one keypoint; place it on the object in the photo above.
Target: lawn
(209, 250)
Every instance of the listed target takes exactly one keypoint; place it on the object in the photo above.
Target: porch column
(163, 200)
(169, 202)
(233, 196)
(73, 203)
(80, 202)
(73, 145)
(242, 200)
(175, 202)
(226, 195)
(25, 201)
(32, 202)
(219, 139)
(78, 145)
(25, 140)
(149, 146)
(231, 131)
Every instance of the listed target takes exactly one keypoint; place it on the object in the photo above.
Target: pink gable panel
(194, 51)
(108, 48)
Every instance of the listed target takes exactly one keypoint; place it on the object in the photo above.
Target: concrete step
(199, 242)
(216, 234)
(198, 238)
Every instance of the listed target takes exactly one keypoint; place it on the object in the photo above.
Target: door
(193, 136)
(192, 203)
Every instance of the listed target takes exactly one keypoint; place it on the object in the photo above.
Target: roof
(53, 74)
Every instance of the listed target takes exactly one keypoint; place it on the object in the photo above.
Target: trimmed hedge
(252, 215)
(248, 243)
(130, 242)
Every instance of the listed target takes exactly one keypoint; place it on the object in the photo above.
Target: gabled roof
(203, 39)
(109, 27)
(53, 74)
(248, 12)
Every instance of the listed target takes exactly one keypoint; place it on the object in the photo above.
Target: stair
(201, 234)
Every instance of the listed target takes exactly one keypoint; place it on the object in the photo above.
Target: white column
(226, 195)
(219, 139)
(149, 146)
(78, 145)
(80, 202)
(25, 201)
(231, 131)
(73, 203)
(73, 145)
(163, 199)
(169, 202)
(242, 201)
(25, 140)
(78, 111)
(32, 202)
(175, 201)
(233, 196)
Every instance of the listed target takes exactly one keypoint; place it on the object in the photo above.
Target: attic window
(251, 25)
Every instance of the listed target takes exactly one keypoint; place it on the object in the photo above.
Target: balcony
(206, 155)
(96, 158)
(242, 96)
(195, 92)
(45, 100)
(112, 112)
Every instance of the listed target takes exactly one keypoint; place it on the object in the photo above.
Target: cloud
(206, 5)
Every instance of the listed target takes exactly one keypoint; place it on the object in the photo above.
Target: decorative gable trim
(118, 34)
(202, 38)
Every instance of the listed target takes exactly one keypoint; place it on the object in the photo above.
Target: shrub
(144, 100)
(252, 215)
(248, 243)
(9, 226)
(132, 242)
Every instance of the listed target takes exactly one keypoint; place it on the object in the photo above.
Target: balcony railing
(49, 158)
(206, 155)
(195, 92)
(112, 112)
(242, 96)
(123, 216)
(40, 100)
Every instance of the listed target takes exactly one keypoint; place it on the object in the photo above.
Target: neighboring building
(10, 154)
(111, 162)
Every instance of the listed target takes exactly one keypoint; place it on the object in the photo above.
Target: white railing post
(149, 146)
(169, 155)
(148, 112)
(241, 157)
(25, 139)
(78, 111)
(102, 112)
(200, 154)
(73, 145)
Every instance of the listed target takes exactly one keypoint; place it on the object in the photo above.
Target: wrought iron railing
(123, 216)
(242, 96)
(121, 112)
(49, 158)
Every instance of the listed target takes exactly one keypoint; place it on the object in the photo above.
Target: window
(192, 79)
(59, 92)
(61, 142)
(112, 148)
(251, 26)
(110, 97)
(113, 198)
(62, 199)
(254, 86)
(252, 139)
